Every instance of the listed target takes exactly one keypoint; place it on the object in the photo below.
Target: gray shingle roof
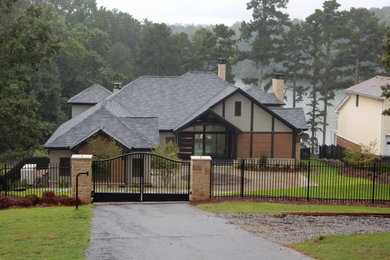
(370, 87)
(171, 99)
(295, 116)
(135, 114)
(129, 131)
(261, 96)
(91, 95)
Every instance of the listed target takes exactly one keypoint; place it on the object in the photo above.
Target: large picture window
(209, 140)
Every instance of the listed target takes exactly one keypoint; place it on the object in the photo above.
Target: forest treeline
(51, 50)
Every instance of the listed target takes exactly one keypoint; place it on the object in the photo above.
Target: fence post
(82, 163)
(5, 180)
(242, 177)
(308, 182)
(200, 178)
(373, 184)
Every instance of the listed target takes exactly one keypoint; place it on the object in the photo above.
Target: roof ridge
(236, 88)
(69, 122)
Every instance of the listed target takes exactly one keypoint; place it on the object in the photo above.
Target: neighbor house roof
(91, 95)
(370, 88)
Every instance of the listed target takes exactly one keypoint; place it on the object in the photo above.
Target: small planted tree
(361, 155)
(166, 168)
(104, 148)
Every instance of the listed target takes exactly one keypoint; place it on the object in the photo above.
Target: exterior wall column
(200, 178)
(82, 163)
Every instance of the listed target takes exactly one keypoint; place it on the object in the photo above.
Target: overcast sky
(217, 11)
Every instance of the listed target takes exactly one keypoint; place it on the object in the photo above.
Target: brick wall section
(82, 163)
(243, 145)
(345, 143)
(283, 145)
(200, 178)
(261, 145)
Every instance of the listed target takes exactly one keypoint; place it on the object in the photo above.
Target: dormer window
(237, 108)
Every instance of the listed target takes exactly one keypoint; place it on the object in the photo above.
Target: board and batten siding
(362, 124)
(55, 155)
(265, 135)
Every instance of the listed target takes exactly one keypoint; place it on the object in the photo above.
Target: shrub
(363, 154)
(33, 198)
(24, 202)
(48, 197)
(5, 203)
(263, 161)
(65, 200)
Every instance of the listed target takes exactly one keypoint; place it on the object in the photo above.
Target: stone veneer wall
(200, 178)
(82, 163)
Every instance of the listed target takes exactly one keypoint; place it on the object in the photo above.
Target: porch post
(200, 178)
(82, 163)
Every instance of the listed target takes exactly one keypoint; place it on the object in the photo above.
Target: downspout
(382, 152)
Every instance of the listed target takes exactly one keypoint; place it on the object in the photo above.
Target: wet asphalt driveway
(173, 231)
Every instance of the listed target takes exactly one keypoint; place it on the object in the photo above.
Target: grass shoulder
(365, 246)
(44, 233)
(256, 207)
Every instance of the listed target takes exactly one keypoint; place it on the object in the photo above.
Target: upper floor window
(237, 108)
(357, 100)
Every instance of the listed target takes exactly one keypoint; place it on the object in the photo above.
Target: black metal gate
(140, 177)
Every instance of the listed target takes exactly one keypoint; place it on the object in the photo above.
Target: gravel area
(295, 228)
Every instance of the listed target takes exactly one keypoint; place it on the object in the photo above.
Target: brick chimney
(222, 68)
(117, 87)
(278, 86)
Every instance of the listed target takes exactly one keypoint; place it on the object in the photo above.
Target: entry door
(387, 145)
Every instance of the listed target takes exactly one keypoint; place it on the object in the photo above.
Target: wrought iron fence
(16, 182)
(335, 152)
(307, 180)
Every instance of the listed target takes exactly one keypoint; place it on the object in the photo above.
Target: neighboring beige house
(360, 119)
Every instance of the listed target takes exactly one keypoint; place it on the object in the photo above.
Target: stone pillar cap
(81, 156)
(196, 157)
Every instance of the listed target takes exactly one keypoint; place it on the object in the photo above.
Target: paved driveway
(173, 231)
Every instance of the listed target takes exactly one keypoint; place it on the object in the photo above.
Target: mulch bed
(48, 199)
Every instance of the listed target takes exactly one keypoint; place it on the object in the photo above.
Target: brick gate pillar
(82, 163)
(200, 178)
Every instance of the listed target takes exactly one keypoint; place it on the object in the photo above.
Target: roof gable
(128, 131)
(91, 95)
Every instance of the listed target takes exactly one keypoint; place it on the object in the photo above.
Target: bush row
(48, 198)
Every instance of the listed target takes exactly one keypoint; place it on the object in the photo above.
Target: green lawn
(329, 184)
(44, 233)
(253, 207)
(366, 246)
